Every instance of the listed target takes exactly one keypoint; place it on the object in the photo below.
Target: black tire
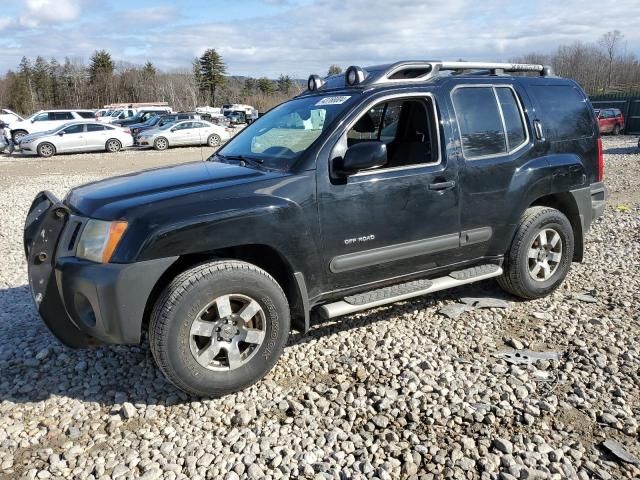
(161, 143)
(616, 130)
(517, 278)
(17, 135)
(175, 312)
(46, 149)
(214, 140)
(113, 145)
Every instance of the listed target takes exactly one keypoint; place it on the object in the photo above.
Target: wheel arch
(566, 203)
(260, 255)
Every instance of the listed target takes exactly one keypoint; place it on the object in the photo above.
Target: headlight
(99, 240)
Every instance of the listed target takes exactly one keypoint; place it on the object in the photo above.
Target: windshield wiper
(242, 159)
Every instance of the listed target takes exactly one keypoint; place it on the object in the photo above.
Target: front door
(72, 139)
(400, 218)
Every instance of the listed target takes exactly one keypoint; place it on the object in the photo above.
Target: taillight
(600, 172)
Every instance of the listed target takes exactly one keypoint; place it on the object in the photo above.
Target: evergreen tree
(284, 84)
(266, 86)
(101, 66)
(211, 74)
(250, 85)
(41, 82)
(334, 70)
(149, 71)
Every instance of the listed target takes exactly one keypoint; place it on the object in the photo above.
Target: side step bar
(395, 293)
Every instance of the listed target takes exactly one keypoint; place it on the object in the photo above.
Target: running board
(403, 291)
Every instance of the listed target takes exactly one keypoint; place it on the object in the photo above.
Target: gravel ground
(398, 392)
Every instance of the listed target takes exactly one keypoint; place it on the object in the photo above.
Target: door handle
(537, 126)
(442, 185)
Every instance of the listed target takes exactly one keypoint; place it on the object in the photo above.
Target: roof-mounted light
(314, 82)
(354, 75)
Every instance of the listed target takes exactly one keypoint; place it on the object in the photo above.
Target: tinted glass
(479, 121)
(43, 117)
(512, 117)
(62, 116)
(566, 114)
(87, 114)
(74, 129)
(95, 128)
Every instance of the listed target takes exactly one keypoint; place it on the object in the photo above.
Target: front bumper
(83, 302)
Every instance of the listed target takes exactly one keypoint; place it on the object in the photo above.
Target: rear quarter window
(565, 113)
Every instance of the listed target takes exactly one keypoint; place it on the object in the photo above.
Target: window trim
(493, 87)
(395, 96)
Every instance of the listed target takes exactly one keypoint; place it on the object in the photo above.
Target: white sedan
(185, 132)
(77, 137)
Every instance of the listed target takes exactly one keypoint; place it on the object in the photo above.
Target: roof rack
(417, 71)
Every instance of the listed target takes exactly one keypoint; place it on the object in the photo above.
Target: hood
(110, 199)
(33, 136)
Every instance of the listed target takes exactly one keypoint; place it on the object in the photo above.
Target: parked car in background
(239, 113)
(82, 136)
(160, 120)
(610, 120)
(141, 116)
(181, 133)
(8, 116)
(45, 120)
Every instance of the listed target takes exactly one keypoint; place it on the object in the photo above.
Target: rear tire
(113, 145)
(161, 143)
(46, 150)
(219, 327)
(214, 140)
(540, 255)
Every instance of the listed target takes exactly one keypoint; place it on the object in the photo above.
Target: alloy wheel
(545, 254)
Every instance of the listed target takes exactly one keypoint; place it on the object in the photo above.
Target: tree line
(601, 67)
(44, 84)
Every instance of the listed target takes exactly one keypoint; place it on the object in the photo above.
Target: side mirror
(362, 156)
(61, 133)
(33, 120)
(173, 129)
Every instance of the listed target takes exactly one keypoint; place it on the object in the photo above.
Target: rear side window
(61, 116)
(87, 114)
(490, 120)
(565, 112)
(95, 128)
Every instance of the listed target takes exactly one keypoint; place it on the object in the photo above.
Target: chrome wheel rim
(214, 141)
(46, 150)
(545, 254)
(228, 332)
(113, 146)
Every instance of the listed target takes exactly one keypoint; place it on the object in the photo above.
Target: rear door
(96, 136)
(495, 142)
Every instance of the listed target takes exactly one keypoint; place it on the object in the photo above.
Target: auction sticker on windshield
(334, 100)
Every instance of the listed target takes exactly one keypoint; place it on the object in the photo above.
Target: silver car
(76, 137)
(185, 132)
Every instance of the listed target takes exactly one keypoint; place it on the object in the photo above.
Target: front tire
(46, 150)
(219, 327)
(17, 135)
(616, 130)
(113, 145)
(161, 143)
(540, 255)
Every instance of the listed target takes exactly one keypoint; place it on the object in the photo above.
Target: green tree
(250, 85)
(266, 86)
(101, 66)
(211, 73)
(334, 70)
(284, 84)
(41, 81)
(55, 74)
(149, 71)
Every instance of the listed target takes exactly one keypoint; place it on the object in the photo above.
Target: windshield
(281, 136)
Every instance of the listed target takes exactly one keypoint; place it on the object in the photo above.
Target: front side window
(74, 129)
(406, 126)
(490, 120)
(280, 137)
(41, 117)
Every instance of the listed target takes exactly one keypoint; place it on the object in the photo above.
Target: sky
(300, 37)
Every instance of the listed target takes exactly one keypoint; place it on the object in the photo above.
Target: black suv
(371, 187)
